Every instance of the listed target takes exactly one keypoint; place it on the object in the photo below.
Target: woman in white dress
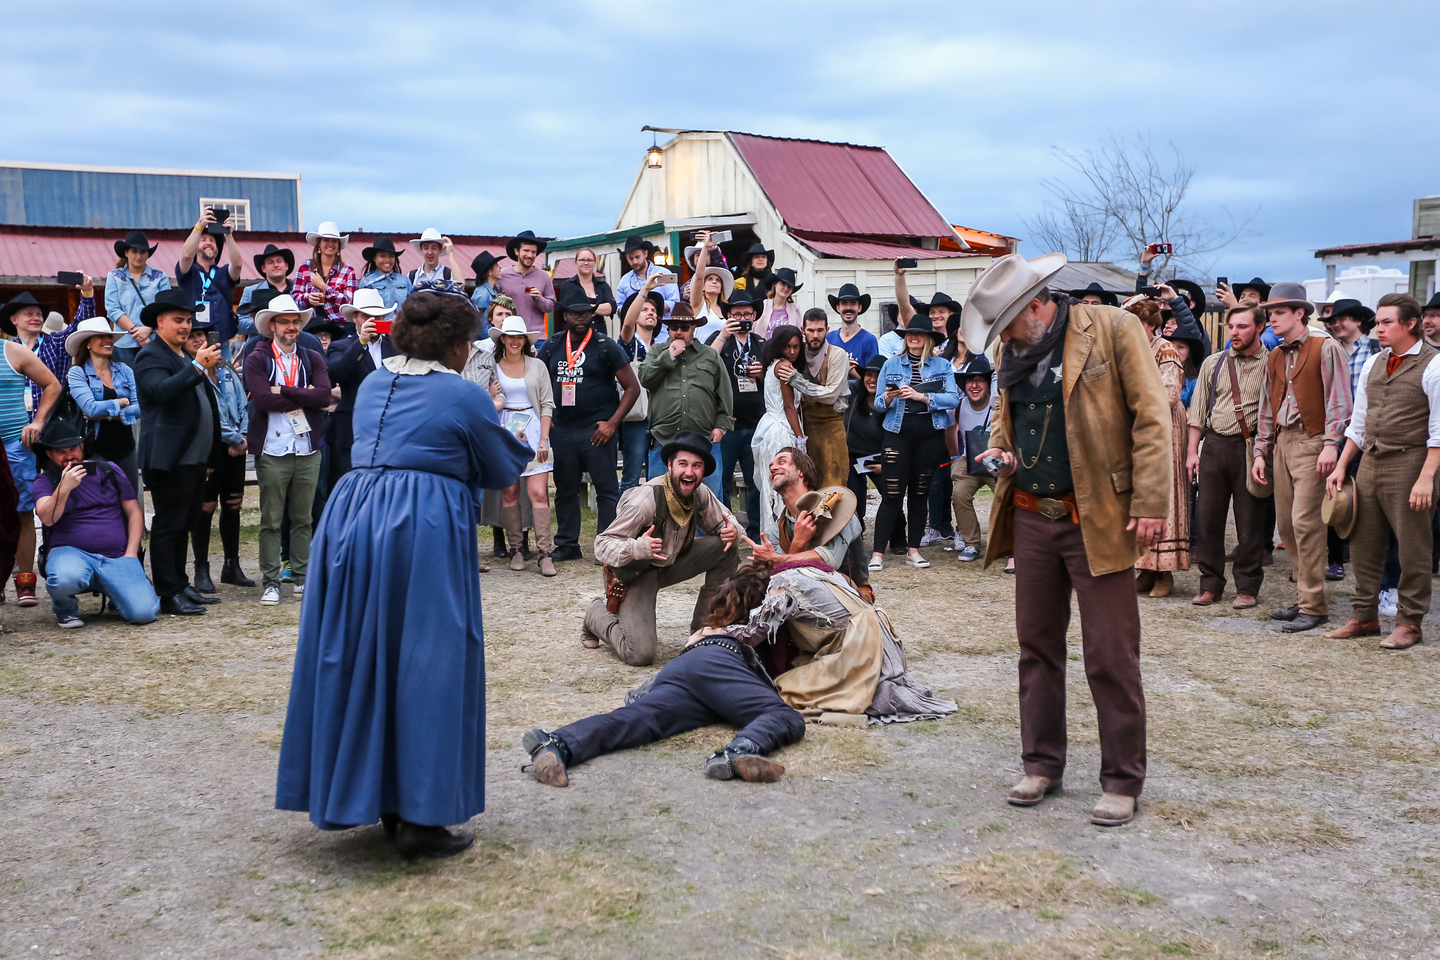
(524, 401)
(780, 426)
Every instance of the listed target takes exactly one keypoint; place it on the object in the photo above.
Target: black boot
(525, 550)
(391, 824)
(417, 841)
(232, 574)
(741, 759)
(203, 583)
(502, 550)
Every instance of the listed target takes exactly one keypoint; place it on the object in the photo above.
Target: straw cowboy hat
(727, 280)
(1001, 292)
(850, 292)
(134, 240)
(368, 302)
(1339, 511)
(512, 246)
(281, 304)
(428, 235)
(1288, 293)
(94, 327)
(832, 508)
(327, 231)
(54, 323)
(514, 326)
(273, 251)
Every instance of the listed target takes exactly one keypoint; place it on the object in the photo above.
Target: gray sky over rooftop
(486, 119)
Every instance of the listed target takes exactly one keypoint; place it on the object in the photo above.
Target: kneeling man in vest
(652, 544)
(1396, 421)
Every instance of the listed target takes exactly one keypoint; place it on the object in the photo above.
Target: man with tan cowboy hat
(1082, 434)
(1304, 406)
(1396, 421)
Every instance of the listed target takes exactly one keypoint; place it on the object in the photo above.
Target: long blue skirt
(387, 703)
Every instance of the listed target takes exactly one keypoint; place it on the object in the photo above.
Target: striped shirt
(1335, 384)
(13, 415)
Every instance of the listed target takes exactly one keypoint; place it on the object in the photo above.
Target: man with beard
(822, 387)
(689, 390)
(652, 544)
(636, 253)
(1430, 320)
(527, 284)
(1082, 432)
(792, 532)
(1224, 422)
(851, 337)
(199, 276)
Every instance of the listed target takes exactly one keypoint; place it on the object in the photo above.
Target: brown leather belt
(1049, 507)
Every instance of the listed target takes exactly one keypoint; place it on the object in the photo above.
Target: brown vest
(1397, 415)
(1306, 382)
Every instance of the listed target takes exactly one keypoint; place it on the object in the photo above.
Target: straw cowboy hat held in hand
(327, 231)
(832, 508)
(280, 305)
(1338, 511)
(1001, 292)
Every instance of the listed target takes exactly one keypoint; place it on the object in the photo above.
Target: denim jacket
(88, 389)
(234, 408)
(897, 372)
(122, 297)
(393, 287)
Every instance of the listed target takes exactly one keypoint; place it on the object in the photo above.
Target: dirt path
(1292, 808)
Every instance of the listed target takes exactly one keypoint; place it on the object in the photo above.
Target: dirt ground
(1292, 809)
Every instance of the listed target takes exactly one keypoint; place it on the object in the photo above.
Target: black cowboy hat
(976, 366)
(134, 240)
(876, 363)
(1197, 295)
(1257, 283)
(637, 242)
(785, 275)
(1433, 303)
(740, 297)
(524, 236)
(850, 292)
(1354, 308)
(167, 301)
(578, 302)
(17, 303)
(757, 249)
(920, 323)
(380, 245)
(689, 442)
(938, 300)
(1106, 297)
(260, 299)
(653, 296)
(322, 324)
(58, 434)
(482, 264)
(270, 251)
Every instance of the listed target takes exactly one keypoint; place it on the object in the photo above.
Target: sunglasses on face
(681, 326)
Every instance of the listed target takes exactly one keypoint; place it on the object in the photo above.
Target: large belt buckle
(1051, 509)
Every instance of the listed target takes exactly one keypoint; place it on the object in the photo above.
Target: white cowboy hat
(429, 235)
(727, 280)
(278, 305)
(54, 323)
(367, 301)
(328, 231)
(514, 326)
(1001, 292)
(94, 327)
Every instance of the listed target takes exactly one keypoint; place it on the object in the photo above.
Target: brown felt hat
(1339, 511)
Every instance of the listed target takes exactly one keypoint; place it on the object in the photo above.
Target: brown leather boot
(1404, 636)
(544, 539)
(1164, 583)
(1355, 628)
(1114, 810)
(1144, 580)
(1031, 790)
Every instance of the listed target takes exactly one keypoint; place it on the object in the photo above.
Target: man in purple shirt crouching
(93, 526)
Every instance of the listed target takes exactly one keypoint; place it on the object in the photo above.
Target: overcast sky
(477, 119)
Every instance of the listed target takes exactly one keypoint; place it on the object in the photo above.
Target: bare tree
(1128, 197)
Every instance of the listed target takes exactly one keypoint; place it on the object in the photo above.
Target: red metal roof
(839, 188)
(45, 251)
(874, 250)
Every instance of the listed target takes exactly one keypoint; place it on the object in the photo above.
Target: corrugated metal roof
(874, 250)
(40, 252)
(839, 188)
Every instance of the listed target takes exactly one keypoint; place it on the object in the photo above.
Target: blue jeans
(734, 446)
(23, 468)
(70, 570)
(712, 480)
(634, 443)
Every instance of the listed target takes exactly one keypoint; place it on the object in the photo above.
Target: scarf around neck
(815, 362)
(1016, 366)
(681, 509)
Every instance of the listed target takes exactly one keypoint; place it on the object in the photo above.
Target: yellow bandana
(680, 509)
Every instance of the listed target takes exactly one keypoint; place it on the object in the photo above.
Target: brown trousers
(825, 443)
(1223, 468)
(1298, 492)
(1050, 562)
(963, 488)
(1382, 489)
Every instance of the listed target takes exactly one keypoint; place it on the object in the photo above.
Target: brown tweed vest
(1397, 417)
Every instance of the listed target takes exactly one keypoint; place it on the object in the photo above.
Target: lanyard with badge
(573, 359)
(743, 381)
(290, 373)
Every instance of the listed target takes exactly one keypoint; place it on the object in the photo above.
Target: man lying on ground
(715, 679)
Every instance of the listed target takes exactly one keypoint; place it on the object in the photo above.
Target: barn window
(239, 210)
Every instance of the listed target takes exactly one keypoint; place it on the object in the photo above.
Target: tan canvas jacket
(1117, 424)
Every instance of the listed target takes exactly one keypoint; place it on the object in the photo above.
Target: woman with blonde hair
(524, 401)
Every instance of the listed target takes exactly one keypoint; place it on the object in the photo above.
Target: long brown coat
(1117, 424)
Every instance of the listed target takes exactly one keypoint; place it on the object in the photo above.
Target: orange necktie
(1392, 364)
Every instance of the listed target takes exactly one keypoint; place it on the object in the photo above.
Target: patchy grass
(830, 750)
(1087, 943)
(9, 750)
(1255, 824)
(1034, 879)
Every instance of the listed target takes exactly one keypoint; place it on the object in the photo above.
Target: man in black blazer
(349, 362)
(181, 432)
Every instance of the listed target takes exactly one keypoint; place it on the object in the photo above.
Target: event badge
(746, 384)
(567, 394)
(298, 423)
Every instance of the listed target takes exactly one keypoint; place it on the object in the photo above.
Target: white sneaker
(959, 544)
(876, 563)
(932, 537)
(298, 591)
(1389, 602)
(271, 596)
(969, 555)
(915, 560)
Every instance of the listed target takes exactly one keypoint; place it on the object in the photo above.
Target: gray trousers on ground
(631, 634)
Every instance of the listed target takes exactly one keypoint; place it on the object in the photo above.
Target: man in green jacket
(689, 391)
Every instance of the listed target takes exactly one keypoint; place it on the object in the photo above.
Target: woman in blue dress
(387, 703)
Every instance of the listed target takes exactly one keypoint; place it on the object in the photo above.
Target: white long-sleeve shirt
(1429, 382)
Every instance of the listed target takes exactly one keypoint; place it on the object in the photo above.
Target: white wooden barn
(835, 213)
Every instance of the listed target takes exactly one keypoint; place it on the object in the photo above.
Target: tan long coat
(1117, 424)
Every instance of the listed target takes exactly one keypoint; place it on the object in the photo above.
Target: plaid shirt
(1363, 350)
(340, 290)
(51, 349)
